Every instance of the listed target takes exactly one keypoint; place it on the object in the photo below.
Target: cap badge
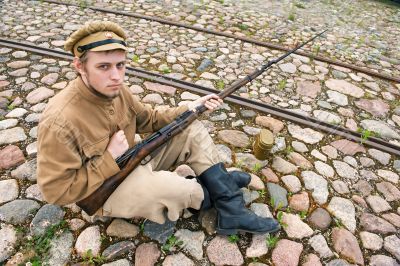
(108, 35)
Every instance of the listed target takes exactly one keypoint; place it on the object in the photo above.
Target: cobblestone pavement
(338, 201)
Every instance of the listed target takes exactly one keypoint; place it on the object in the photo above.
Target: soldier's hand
(211, 101)
(118, 144)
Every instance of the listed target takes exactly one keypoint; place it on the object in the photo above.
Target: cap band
(92, 45)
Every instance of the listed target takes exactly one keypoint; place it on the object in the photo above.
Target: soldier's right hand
(118, 144)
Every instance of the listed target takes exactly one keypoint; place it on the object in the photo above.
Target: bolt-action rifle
(140, 153)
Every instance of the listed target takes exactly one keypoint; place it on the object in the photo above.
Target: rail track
(252, 104)
(229, 35)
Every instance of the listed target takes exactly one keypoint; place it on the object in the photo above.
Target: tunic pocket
(96, 148)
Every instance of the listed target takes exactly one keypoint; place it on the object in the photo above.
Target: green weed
(272, 202)
(233, 238)
(221, 20)
(289, 149)
(141, 226)
(90, 259)
(299, 5)
(334, 122)
(256, 168)
(135, 58)
(303, 214)
(291, 16)
(271, 240)
(394, 104)
(262, 193)
(279, 217)
(338, 222)
(369, 95)
(172, 242)
(282, 84)
(220, 84)
(20, 229)
(40, 244)
(279, 206)
(166, 70)
(254, 259)
(82, 4)
(242, 26)
(316, 49)
(239, 164)
(365, 134)
(103, 238)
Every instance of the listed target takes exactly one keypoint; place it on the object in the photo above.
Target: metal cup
(262, 144)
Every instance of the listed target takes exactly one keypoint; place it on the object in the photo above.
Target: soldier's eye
(120, 65)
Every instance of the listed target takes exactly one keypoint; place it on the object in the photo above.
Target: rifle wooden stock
(139, 153)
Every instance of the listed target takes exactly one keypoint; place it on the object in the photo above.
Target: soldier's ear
(79, 67)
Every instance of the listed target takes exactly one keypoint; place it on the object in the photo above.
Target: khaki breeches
(151, 191)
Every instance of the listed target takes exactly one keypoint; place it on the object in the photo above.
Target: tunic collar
(92, 95)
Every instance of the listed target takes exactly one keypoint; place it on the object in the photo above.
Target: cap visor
(108, 47)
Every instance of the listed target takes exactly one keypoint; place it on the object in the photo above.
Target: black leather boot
(242, 179)
(227, 199)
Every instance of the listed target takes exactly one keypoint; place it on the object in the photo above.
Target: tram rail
(229, 35)
(249, 103)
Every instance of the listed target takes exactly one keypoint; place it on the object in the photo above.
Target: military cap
(96, 36)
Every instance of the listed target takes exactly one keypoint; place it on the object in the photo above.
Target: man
(93, 121)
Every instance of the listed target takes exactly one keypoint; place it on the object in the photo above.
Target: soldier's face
(104, 71)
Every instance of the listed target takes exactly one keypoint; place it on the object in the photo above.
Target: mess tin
(262, 144)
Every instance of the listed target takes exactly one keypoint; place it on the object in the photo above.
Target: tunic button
(111, 112)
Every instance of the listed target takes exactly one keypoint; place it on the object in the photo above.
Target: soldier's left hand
(211, 101)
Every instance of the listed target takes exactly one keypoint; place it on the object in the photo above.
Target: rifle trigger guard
(146, 160)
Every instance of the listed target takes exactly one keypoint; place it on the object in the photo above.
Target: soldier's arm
(62, 175)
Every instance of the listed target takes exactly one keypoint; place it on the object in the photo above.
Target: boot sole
(235, 231)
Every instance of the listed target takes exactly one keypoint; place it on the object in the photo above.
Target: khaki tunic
(73, 135)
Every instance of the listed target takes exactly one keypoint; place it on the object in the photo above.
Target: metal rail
(252, 104)
(244, 39)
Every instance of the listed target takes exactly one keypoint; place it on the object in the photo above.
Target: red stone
(299, 202)
(147, 254)
(273, 124)
(287, 253)
(160, 88)
(348, 147)
(392, 218)
(345, 243)
(222, 252)
(307, 88)
(270, 175)
(299, 160)
(375, 224)
(375, 107)
(4, 83)
(312, 260)
(11, 156)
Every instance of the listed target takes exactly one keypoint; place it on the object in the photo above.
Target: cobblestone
(333, 94)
